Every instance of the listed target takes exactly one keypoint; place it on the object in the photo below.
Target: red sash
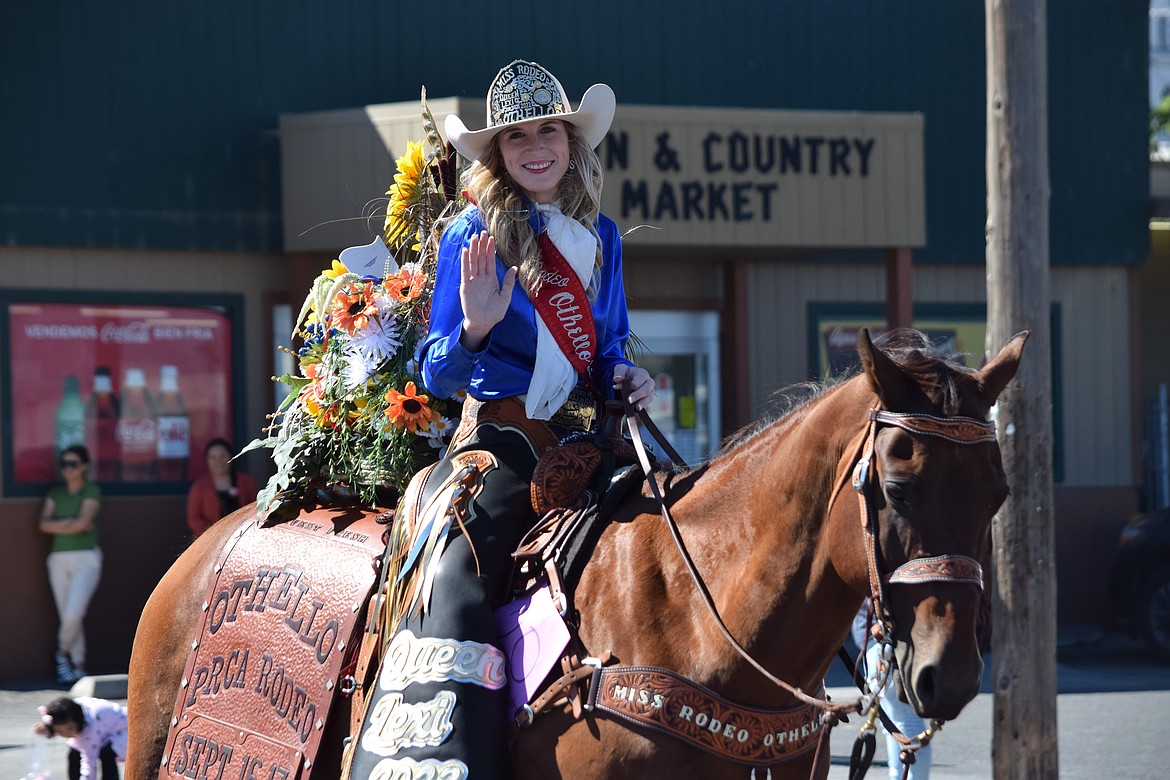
(563, 305)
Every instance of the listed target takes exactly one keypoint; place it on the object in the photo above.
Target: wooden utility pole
(1024, 742)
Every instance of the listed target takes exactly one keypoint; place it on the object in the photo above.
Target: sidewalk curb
(100, 686)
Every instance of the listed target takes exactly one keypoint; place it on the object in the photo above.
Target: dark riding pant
(440, 701)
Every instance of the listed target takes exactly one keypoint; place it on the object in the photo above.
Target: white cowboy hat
(523, 91)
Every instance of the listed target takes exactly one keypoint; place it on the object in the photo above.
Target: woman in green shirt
(69, 516)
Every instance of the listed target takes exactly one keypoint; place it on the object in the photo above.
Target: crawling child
(93, 728)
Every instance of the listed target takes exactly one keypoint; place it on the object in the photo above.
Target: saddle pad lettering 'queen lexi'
(278, 624)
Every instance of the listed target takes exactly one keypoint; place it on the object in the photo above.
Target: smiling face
(536, 156)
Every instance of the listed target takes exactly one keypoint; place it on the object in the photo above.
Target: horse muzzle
(937, 688)
(938, 669)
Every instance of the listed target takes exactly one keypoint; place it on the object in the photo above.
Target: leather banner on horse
(668, 702)
(272, 649)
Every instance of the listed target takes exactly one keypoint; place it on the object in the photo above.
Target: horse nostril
(925, 686)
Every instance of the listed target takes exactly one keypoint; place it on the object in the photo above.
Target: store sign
(767, 178)
(702, 177)
(737, 176)
(143, 387)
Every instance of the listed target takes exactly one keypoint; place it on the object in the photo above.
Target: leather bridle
(953, 568)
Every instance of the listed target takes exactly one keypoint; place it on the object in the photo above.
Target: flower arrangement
(357, 418)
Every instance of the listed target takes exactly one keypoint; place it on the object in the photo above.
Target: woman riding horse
(535, 360)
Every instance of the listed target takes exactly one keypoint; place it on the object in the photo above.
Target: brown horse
(778, 539)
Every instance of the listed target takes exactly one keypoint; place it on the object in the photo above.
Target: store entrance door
(682, 354)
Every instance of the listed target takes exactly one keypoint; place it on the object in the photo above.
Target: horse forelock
(942, 377)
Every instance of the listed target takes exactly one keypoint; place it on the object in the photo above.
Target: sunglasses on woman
(69, 464)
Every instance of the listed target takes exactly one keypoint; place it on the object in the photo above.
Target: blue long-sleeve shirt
(503, 366)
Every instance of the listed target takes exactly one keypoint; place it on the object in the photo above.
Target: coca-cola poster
(143, 387)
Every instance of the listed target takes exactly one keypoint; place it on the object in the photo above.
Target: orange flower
(409, 410)
(353, 308)
(407, 284)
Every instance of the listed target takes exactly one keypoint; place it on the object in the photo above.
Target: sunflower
(410, 409)
(405, 194)
(353, 308)
(337, 270)
(323, 414)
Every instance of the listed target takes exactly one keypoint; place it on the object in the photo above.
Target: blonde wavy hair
(504, 213)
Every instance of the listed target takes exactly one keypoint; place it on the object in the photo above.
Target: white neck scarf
(553, 376)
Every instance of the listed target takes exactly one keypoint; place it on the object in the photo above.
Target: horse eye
(896, 492)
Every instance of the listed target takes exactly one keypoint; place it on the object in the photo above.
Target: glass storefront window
(682, 354)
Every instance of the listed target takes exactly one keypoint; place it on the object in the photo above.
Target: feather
(419, 539)
(430, 127)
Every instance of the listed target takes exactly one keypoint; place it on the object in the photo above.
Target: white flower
(437, 431)
(380, 340)
(384, 304)
(359, 367)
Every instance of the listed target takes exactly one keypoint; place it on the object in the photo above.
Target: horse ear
(994, 376)
(885, 377)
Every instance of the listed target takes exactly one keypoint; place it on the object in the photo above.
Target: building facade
(777, 164)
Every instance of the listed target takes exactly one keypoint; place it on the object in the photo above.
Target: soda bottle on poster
(101, 424)
(70, 416)
(137, 429)
(174, 428)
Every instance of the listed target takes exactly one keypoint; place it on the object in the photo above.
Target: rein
(636, 420)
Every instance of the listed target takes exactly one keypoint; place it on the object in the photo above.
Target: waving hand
(484, 300)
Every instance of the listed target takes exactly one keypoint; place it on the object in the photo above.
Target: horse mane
(939, 374)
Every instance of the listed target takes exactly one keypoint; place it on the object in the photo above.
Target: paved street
(1111, 719)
